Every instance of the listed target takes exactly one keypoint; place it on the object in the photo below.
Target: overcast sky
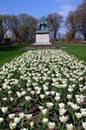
(37, 8)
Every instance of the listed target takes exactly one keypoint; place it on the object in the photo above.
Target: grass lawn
(8, 53)
(75, 49)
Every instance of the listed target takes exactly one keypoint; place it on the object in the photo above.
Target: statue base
(42, 38)
(43, 46)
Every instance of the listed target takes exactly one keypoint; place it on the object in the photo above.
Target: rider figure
(42, 25)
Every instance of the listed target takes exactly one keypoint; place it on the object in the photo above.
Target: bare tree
(54, 22)
(27, 26)
(1, 26)
(22, 26)
(71, 23)
(15, 26)
(80, 17)
(4, 23)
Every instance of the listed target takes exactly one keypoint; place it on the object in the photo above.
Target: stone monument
(42, 33)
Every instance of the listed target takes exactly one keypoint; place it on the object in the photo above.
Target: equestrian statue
(42, 25)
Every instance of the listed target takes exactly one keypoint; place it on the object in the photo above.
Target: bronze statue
(42, 25)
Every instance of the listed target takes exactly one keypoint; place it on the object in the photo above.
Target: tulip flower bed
(43, 90)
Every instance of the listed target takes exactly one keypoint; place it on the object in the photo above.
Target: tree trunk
(17, 37)
(85, 37)
(73, 35)
(55, 36)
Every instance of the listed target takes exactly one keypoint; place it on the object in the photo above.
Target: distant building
(7, 35)
(7, 38)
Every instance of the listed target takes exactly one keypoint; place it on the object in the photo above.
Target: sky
(38, 8)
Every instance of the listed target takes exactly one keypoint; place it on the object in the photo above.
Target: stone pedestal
(41, 38)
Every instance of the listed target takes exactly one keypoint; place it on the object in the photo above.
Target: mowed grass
(75, 49)
(9, 53)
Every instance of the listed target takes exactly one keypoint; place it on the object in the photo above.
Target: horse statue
(42, 25)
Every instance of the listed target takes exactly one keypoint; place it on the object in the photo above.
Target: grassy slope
(75, 49)
(7, 54)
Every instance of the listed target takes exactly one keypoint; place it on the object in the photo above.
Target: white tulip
(41, 107)
(69, 126)
(21, 115)
(19, 94)
(47, 93)
(49, 104)
(62, 111)
(78, 115)
(69, 96)
(44, 120)
(24, 129)
(51, 125)
(52, 92)
(32, 92)
(9, 92)
(45, 87)
(4, 109)
(57, 98)
(23, 93)
(31, 124)
(61, 105)
(1, 119)
(16, 120)
(75, 106)
(44, 111)
(29, 116)
(63, 118)
(11, 116)
(42, 96)
(84, 125)
(27, 98)
(4, 99)
(12, 125)
(11, 99)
